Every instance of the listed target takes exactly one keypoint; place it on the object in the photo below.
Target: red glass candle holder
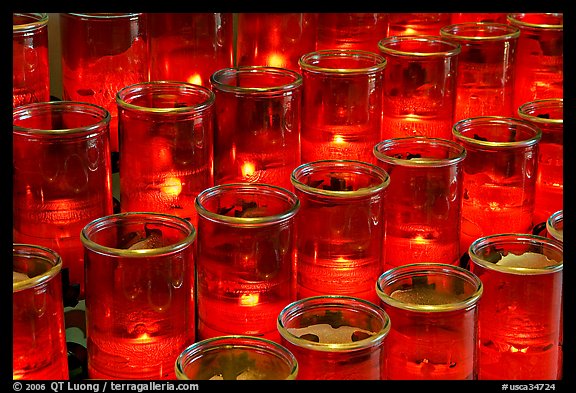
(499, 180)
(345, 30)
(30, 65)
(101, 54)
(236, 357)
(140, 312)
(434, 312)
(340, 227)
(486, 66)
(520, 314)
(246, 250)
(419, 86)
(428, 23)
(38, 332)
(335, 337)
(540, 56)
(274, 39)
(341, 104)
(166, 132)
(189, 47)
(257, 135)
(548, 114)
(423, 203)
(62, 177)
(555, 226)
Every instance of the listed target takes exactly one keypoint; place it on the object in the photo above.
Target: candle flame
(338, 139)
(195, 79)
(171, 186)
(248, 169)
(276, 60)
(249, 299)
(514, 349)
(144, 338)
(410, 31)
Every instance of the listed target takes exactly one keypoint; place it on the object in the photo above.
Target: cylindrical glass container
(38, 331)
(434, 312)
(102, 53)
(189, 47)
(246, 251)
(140, 310)
(548, 114)
(499, 178)
(540, 57)
(423, 203)
(236, 357)
(555, 226)
(166, 132)
(335, 337)
(486, 66)
(341, 104)
(274, 39)
(30, 65)
(257, 136)
(419, 86)
(340, 227)
(520, 315)
(62, 177)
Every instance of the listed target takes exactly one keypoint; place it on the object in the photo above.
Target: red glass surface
(341, 104)
(428, 23)
(38, 335)
(139, 294)
(30, 66)
(166, 146)
(189, 47)
(540, 57)
(419, 86)
(547, 114)
(423, 203)
(340, 227)
(101, 54)
(434, 314)
(486, 67)
(499, 181)
(245, 258)
(274, 39)
(257, 135)
(351, 30)
(462, 17)
(335, 337)
(61, 177)
(520, 314)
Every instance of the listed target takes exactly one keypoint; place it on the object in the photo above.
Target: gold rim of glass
(259, 189)
(104, 223)
(101, 117)
(341, 166)
(494, 31)
(331, 303)
(22, 250)
(37, 21)
(226, 342)
(394, 274)
(452, 48)
(498, 241)
(174, 88)
(378, 62)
